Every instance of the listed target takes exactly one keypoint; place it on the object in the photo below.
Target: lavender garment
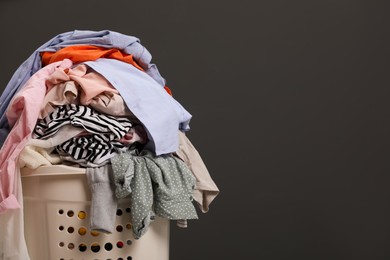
(161, 115)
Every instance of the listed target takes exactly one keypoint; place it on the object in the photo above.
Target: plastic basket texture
(56, 211)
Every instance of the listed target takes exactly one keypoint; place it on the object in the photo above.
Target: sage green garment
(155, 184)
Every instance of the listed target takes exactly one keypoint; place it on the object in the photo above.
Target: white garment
(37, 152)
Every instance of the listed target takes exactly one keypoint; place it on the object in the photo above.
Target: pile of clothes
(95, 100)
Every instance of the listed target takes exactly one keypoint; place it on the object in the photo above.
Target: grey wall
(290, 114)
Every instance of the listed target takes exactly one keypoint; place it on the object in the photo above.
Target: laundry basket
(56, 210)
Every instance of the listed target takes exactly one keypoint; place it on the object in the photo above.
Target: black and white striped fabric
(82, 116)
(90, 151)
(97, 146)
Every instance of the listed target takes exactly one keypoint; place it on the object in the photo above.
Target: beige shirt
(205, 188)
(82, 86)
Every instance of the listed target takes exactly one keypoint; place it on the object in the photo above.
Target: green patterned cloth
(161, 185)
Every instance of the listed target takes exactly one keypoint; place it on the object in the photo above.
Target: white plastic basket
(56, 210)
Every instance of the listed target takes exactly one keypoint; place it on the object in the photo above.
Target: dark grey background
(290, 114)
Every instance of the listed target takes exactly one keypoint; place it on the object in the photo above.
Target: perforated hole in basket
(108, 246)
(74, 224)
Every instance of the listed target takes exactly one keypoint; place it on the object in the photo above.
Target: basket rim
(51, 170)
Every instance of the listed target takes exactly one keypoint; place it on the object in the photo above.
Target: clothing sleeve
(103, 201)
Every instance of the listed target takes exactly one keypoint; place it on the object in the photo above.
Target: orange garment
(81, 53)
(168, 90)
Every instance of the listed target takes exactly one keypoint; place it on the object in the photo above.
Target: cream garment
(205, 188)
(60, 94)
(90, 82)
(71, 87)
(67, 93)
(37, 152)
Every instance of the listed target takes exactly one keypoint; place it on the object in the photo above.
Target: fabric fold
(160, 185)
